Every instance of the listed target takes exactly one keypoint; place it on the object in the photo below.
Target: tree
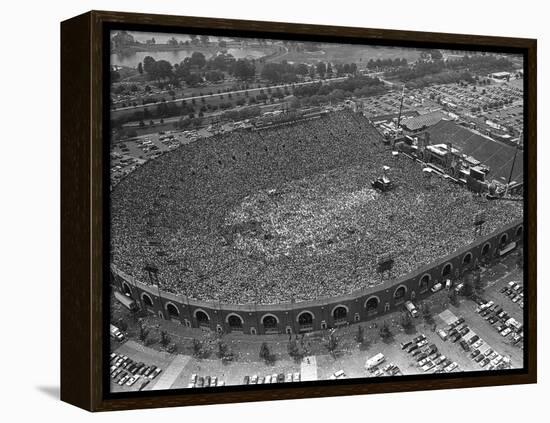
(426, 312)
(360, 335)
(321, 69)
(224, 352)
(198, 59)
(162, 69)
(453, 298)
(143, 333)
(385, 332)
(244, 69)
(406, 321)
(468, 289)
(197, 348)
(265, 354)
(478, 284)
(164, 338)
(332, 344)
(294, 350)
(149, 64)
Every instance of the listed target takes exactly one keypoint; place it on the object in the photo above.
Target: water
(175, 56)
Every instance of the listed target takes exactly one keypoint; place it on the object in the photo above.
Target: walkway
(308, 368)
(170, 375)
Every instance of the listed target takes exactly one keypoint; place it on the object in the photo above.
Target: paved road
(250, 90)
(170, 375)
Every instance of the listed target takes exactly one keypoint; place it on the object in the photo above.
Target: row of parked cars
(479, 351)
(127, 372)
(274, 378)
(427, 356)
(197, 381)
(514, 291)
(503, 323)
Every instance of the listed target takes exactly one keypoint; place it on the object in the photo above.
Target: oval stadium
(300, 226)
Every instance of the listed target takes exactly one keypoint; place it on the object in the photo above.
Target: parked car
(464, 345)
(506, 332)
(405, 345)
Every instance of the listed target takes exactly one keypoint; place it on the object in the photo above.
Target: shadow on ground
(50, 391)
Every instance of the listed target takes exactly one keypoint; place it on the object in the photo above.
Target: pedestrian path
(169, 376)
(308, 368)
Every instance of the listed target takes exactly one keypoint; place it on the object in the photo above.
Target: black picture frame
(85, 211)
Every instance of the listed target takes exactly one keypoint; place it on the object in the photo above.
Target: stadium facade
(321, 313)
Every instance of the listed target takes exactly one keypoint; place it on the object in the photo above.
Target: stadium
(300, 226)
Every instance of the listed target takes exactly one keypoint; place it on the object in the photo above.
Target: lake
(175, 56)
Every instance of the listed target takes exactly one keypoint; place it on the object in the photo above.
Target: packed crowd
(287, 214)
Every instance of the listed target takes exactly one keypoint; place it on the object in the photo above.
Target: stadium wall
(321, 313)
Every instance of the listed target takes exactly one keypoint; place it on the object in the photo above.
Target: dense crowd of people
(287, 214)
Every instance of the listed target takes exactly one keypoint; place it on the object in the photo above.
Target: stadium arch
(147, 300)
(424, 283)
(447, 270)
(485, 249)
(235, 322)
(201, 316)
(172, 309)
(467, 258)
(519, 232)
(126, 290)
(399, 294)
(339, 312)
(503, 239)
(371, 305)
(270, 322)
(305, 318)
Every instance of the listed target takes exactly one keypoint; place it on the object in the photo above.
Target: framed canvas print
(257, 211)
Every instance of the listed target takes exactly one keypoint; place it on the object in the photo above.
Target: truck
(437, 287)
(411, 308)
(374, 361)
(116, 333)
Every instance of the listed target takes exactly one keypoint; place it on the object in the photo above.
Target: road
(251, 90)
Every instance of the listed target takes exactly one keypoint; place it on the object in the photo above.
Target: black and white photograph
(286, 211)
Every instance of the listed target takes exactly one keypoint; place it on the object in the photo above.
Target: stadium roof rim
(282, 306)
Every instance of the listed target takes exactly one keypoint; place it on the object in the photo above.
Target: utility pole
(400, 108)
(513, 163)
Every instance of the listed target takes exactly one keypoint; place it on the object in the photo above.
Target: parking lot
(471, 342)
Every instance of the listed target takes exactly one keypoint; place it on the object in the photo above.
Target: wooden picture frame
(84, 220)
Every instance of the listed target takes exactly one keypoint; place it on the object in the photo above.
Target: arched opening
(339, 313)
(147, 300)
(503, 240)
(172, 310)
(235, 322)
(270, 322)
(519, 232)
(425, 283)
(126, 289)
(399, 294)
(447, 269)
(485, 249)
(202, 317)
(305, 320)
(372, 305)
(467, 259)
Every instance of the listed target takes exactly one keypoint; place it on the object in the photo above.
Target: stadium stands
(496, 155)
(287, 213)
